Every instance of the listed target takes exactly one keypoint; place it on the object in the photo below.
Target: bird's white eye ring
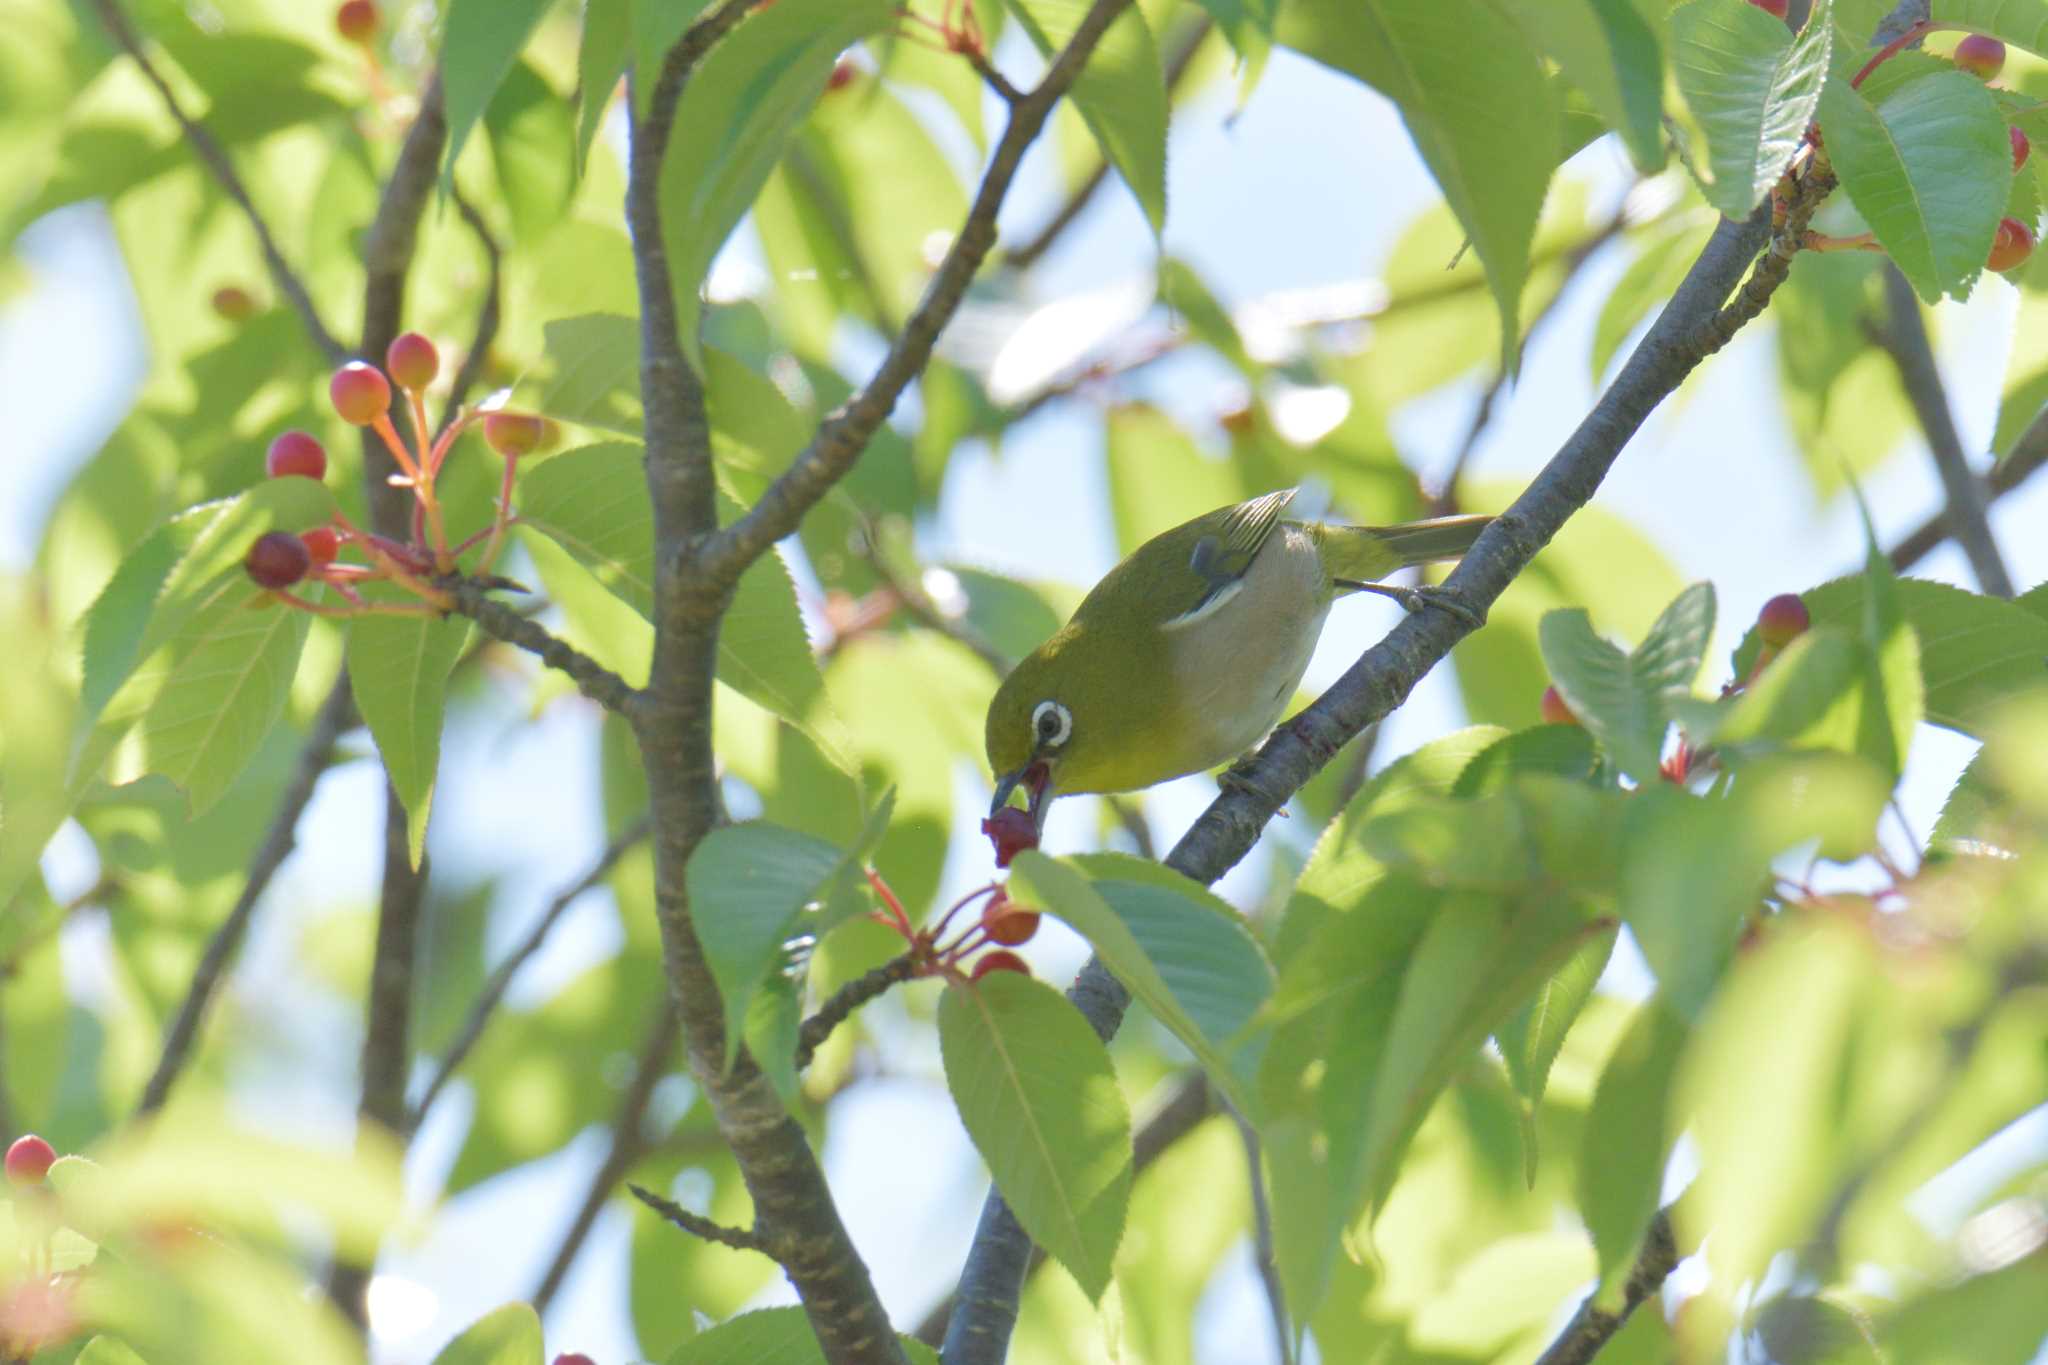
(1051, 723)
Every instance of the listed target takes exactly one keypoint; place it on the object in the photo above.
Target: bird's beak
(1034, 777)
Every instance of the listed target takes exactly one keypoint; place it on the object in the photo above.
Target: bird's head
(1031, 733)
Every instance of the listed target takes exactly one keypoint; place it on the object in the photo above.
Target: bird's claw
(1419, 599)
(1242, 776)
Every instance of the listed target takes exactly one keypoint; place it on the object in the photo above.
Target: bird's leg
(1416, 599)
(1243, 776)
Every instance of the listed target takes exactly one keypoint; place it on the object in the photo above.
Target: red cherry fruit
(360, 393)
(1011, 831)
(322, 544)
(573, 1358)
(1774, 8)
(1553, 709)
(2011, 247)
(278, 559)
(29, 1160)
(356, 20)
(1782, 620)
(844, 73)
(1982, 57)
(234, 303)
(1006, 922)
(412, 361)
(1001, 960)
(2020, 148)
(513, 434)
(296, 452)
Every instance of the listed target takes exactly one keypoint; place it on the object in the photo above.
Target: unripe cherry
(29, 1160)
(1782, 620)
(1001, 960)
(1775, 8)
(412, 362)
(1553, 709)
(513, 434)
(2011, 247)
(1006, 922)
(1982, 57)
(322, 544)
(296, 452)
(278, 559)
(360, 393)
(2020, 148)
(234, 303)
(356, 20)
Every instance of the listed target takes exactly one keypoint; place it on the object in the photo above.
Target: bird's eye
(1052, 723)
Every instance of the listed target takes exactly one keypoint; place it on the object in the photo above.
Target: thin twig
(995, 80)
(848, 998)
(335, 715)
(1025, 256)
(1592, 1326)
(2028, 454)
(1903, 335)
(595, 681)
(722, 556)
(1262, 1241)
(1179, 1114)
(215, 158)
(488, 998)
(698, 1226)
(487, 317)
(629, 1143)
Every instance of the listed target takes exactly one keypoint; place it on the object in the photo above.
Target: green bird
(1184, 655)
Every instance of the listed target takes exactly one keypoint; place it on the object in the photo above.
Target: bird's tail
(1365, 553)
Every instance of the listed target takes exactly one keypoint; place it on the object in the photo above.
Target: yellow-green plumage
(1186, 652)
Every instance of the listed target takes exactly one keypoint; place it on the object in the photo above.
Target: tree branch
(1903, 335)
(592, 679)
(1592, 1326)
(215, 158)
(336, 714)
(487, 317)
(494, 989)
(1027, 255)
(1262, 1242)
(848, 998)
(845, 434)
(1692, 326)
(629, 1142)
(698, 1226)
(2028, 454)
(1181, 1113)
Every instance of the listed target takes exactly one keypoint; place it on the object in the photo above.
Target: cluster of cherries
(361, 394)
(1001, 922)
(1782, 620)
(37, 1310)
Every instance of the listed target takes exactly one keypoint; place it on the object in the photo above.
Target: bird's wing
(1222, 556)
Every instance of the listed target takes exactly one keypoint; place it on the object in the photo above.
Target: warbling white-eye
(1184, 655)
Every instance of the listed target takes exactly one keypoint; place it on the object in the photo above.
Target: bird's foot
(1420, 599)
(1242, 776)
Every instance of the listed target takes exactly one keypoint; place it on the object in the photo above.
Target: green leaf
(596, 381)
(2023, 23)
(398, 667)
(657, 25)
(1930, 170)
(600, 61)
(771, 1336)
(1624, 699)
(1038, 1095)
(1534, 1034)
(1608, 50)
(748, 885)
(1560, 750)
(742, 106)
(1752, 88)
(1121, 92)
(504, 1336)
(482, 40)
(107, 1351)
(1650, 280)
(1477, 104)
(1628, 1135)
(1175, 947)
(1159, 477)
(533, 146)
(1247, 25)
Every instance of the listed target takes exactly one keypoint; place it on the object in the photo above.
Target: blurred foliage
(1494, 1003)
